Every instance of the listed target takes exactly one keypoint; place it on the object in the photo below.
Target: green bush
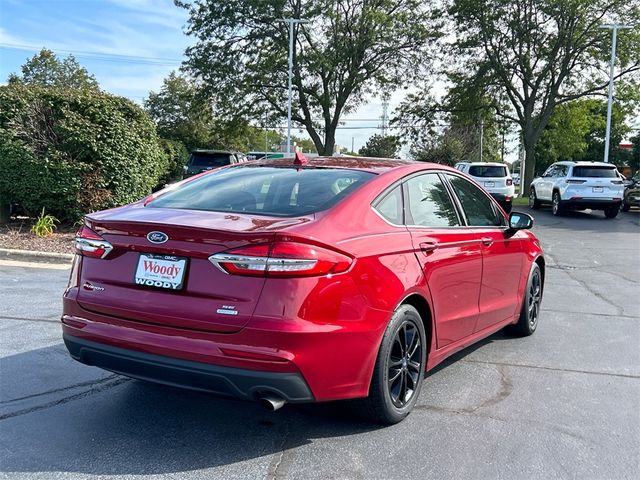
(74, 151)
(177, 156)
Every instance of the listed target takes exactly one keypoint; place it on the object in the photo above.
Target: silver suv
(577, 186)
(494, 177)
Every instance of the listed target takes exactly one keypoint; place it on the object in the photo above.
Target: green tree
(381, 146)
(181, 113)
(541, 53)
(576, 131)
(348, 48)
(75, 151)
(47, 70)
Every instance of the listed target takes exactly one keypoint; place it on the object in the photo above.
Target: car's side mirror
(520, 221)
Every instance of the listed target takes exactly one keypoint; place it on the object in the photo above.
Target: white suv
(494, 177)
(578, 185)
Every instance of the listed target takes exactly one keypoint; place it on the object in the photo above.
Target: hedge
(74, 152)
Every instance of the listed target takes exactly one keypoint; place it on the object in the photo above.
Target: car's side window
(390, 207)
(550, 171)
(478, 208)
(428, 202)
(561, 171)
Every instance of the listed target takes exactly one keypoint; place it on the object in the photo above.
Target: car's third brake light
(281, 259)
(90, 244)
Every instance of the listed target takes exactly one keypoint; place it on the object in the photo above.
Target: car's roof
(205, 151)
(377, 165)
(585, 163)
(486, 164)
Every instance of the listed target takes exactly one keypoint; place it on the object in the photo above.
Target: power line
(100, 56)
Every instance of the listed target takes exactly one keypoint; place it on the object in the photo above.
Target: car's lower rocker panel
(227, 381)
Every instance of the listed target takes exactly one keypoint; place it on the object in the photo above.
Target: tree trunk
(527, 176)
(5, 209)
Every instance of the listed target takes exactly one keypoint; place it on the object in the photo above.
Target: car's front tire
(530, 312)
(399, 371)
(556, 204)
(534, 203)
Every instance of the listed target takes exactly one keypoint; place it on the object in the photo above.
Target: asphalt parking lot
(564, 403)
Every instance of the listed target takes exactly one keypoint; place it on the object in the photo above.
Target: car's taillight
(509, 182)
(90, 244)
(575, 182)
(281, 259)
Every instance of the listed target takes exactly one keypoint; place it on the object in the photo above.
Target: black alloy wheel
(404, 364)
(530, 312)
(399, 370)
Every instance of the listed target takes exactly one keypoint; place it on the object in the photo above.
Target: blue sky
(149, 30)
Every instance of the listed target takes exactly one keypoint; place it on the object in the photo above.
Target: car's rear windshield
(209, 159)
(272, 191)
(487, 171)
(602, 172)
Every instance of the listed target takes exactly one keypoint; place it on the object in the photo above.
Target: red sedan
(300, 281)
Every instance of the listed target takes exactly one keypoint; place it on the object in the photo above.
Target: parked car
(203, 160)
(578, 185)
(494, 177)
(302, 280)
(631, 193)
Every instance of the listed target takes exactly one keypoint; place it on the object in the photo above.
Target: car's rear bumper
(592, 203)
(334, 361)
(237, 382)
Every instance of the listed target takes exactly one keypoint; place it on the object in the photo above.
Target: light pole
(291, 22)
(615, 27)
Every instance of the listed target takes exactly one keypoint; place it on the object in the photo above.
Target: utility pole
(291, 22)
(385, 113)
(266, 141)
(352, 140)
(615, 27)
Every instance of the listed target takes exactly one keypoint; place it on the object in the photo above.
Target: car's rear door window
(597, 172)
(390, 207)
(273, 191)
(487, 171)
(428, 202)
(478, 208)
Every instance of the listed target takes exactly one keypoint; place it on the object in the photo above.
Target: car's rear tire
(625, 207)
(611, 212)
(399, 371)
(530, 312)
(556, 204)
(534, 203)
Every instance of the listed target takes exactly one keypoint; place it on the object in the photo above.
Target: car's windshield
(488, 171)
(273, 191)
(209, 159)
(603, 172)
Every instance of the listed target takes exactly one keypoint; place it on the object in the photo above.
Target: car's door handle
(487, 241)
(428, 247)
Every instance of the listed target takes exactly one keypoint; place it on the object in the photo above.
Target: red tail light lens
(90, 244)
(281, 259)
(509, 182)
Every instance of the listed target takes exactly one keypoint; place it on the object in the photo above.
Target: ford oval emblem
(157, 237)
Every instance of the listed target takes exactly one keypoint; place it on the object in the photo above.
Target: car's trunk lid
(208, 300)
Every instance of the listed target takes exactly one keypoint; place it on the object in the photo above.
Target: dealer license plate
(489, 184)
(598, 189)
(160, 271)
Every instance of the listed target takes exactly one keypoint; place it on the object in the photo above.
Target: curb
(34, 256)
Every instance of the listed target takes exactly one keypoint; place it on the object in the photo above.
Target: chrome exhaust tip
(271, 402)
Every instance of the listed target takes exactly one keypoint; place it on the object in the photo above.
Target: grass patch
(520, 201)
